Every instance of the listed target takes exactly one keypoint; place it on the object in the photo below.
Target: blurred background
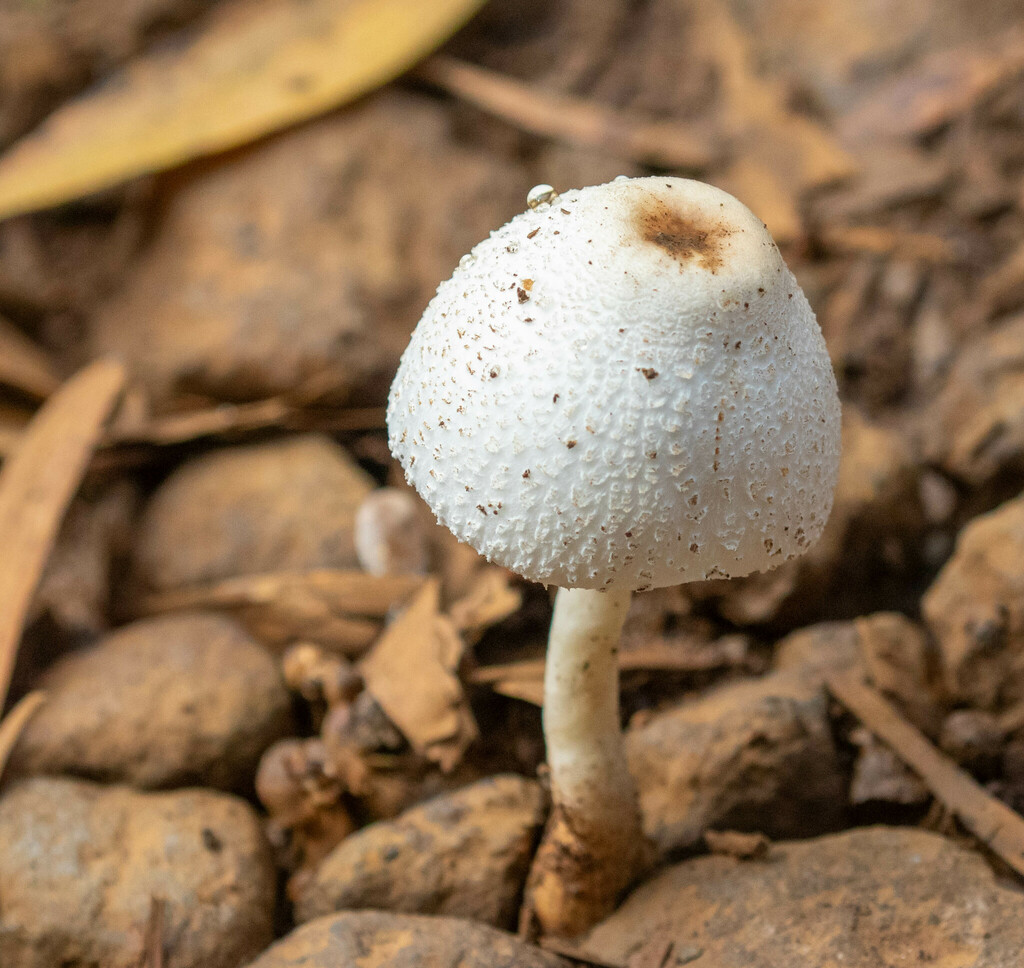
(248, 203)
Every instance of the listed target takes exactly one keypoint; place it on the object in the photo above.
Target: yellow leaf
(258, 65)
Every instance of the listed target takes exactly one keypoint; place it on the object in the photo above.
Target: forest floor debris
(867, 699)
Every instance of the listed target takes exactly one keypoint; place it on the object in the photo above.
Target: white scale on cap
(624, 385)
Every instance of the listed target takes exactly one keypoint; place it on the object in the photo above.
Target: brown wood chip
(36, 485)
(411, 672)
(989, 819)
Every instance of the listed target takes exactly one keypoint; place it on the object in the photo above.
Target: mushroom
(390, 533)
(622, 388)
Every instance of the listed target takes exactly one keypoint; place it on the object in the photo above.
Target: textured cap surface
(625, 386)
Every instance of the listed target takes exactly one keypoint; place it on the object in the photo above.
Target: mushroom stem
(593, 846)
(585, 752)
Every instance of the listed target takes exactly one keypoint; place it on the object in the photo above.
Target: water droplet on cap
(540, 195)
(621, 178)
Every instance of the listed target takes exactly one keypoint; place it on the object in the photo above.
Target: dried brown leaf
(411, 672)
(339, 610)
(800, 151)
(257, 66)
(771, 199)
(931, 94)
(1002, 289)
(489, 600)
(893, 173)
(36, 486)
(459, 562)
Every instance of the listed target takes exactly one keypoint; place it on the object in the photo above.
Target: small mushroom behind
(389, 533)
(623, 388)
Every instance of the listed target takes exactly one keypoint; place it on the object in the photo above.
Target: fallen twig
(989, 819)
(36, 485)
(14, 722)
(663, 144)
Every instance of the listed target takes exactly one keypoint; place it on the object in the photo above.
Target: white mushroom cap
(625, 386)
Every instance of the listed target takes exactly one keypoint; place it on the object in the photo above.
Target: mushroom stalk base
(593, 846)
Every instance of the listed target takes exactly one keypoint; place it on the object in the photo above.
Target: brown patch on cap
(683, 236)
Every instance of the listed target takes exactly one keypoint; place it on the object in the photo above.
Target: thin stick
(15, 721)
(989, 819)
(651, 658)
(37, 484)
(665, 144)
